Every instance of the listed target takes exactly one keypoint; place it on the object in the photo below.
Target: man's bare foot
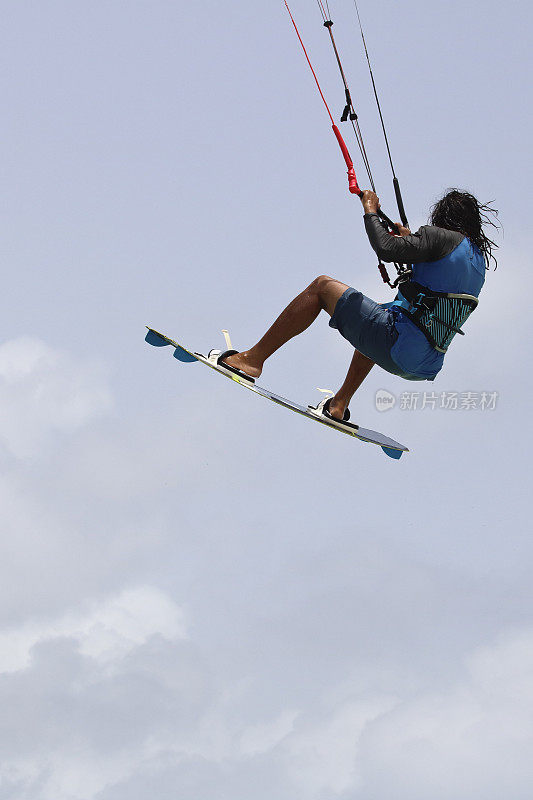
(337, 408)
(243, 362)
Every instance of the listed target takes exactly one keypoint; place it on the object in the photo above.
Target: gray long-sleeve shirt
(429, 243)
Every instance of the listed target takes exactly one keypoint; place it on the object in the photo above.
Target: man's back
(442, 260)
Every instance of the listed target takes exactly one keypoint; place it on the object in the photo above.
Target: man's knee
(328, 290)
(322, 281)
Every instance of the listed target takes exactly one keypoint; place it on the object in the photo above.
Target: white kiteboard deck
(389, 446)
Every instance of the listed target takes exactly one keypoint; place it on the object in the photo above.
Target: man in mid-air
(449, 258)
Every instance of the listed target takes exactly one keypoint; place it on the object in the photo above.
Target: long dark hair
(462, 212)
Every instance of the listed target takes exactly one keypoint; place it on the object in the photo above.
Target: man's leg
(359, 368)
(322, 293)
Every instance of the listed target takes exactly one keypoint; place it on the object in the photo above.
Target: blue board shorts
(370, 329)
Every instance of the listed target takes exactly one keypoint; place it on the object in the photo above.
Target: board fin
(154, 338)
(184, 355)
(390, 451)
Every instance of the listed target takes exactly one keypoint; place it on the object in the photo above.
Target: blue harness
(439, 296)
(439, 315)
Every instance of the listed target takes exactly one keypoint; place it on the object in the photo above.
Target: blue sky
(203, 595)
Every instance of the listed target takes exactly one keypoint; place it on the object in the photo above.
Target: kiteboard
(389, 446)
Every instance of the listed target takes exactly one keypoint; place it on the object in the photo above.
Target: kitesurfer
(450, 255)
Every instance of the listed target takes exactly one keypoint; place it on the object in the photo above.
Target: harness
(439, 315)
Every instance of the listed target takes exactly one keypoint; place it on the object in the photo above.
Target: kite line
(349, 113)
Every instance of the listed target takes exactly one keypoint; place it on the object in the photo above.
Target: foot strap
(229, 368)
(326, 412)
(322, 409)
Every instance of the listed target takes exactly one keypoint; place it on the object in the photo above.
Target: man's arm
(427, 244)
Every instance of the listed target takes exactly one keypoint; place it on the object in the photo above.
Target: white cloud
(321, 757)
(473, 740)
(106, 630)
(83, 695)
(44, 390)
(264, 737)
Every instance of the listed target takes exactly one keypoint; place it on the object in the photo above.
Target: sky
(203, 595)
